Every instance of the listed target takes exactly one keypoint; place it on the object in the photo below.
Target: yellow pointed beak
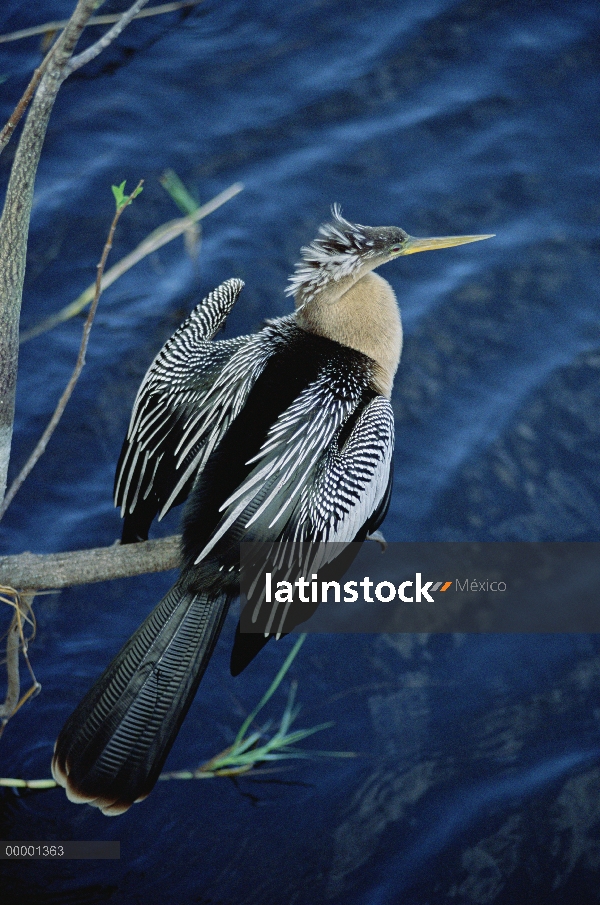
(412, 245)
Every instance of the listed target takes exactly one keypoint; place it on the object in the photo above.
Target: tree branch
(13, 681)
(32, 571)
(92, 52)
(48, 27)
(77, 62)
(29, 573)
(14, 224)
(21, 107)
(17, 641)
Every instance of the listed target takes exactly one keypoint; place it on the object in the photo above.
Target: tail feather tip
(112, 807)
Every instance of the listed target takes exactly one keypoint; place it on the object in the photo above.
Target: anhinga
(284, 435)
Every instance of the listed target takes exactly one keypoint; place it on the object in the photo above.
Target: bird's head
(344, 252)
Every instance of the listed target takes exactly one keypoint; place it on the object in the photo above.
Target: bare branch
(13, 684)
(63, 570)
(68, 391)
(17, 641)
(21, 107)
(121, 20)
(49, 27)
(14, 224)
(92, 52)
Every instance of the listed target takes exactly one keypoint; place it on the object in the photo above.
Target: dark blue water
(479, 775)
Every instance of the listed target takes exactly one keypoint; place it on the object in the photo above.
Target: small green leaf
(121, 199)
(119, 193)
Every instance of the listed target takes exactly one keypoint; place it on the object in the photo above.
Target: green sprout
(121, 199)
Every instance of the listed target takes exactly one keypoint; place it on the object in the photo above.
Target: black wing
(320, 475)
(152, 473)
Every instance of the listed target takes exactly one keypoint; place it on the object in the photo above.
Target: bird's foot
(380, 539)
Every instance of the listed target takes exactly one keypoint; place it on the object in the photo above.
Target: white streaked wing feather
(172, 382)
(344, 490)
(224, 401)
(288, 461)
(352, 482)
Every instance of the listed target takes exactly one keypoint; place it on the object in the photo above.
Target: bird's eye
(396, 248)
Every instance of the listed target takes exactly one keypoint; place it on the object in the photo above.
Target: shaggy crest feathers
(340, 250)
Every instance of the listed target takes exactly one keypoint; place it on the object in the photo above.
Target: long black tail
(112, 748)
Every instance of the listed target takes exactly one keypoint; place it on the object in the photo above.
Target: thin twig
(52, 424)
(26, 615)
(21, 107)
(13, 686)
(95, 20)
(122, 20)
(92, 52)
(159, 237)
(246, 754)
(16, 640)
(28, 783)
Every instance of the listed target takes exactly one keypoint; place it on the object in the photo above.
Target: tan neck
(366, 318)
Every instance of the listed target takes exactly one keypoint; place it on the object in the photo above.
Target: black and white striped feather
(112, 748)
(180, 376)
(262, 506)
(350, 481)
(201, 431)
(337, 497)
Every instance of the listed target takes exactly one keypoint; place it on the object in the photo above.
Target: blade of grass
(173, 185)
(188, 205)
(271, 689)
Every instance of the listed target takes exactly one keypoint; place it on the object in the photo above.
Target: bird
(284, 435)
